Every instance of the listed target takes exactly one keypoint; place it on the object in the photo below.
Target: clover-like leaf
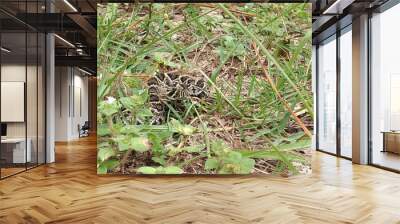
(123, 143)
(211, 164)
(159, 159)
(105, 153)
(173, 170)
(140, 144)
(130, 129)
(103, 130)
(146, 170)
(101, 169)
(233, 157)
(247, 165)
(180, 128)
(109, 107)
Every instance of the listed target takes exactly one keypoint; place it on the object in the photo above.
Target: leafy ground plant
(204, 88)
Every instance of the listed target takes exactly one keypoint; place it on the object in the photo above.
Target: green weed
(255, 59)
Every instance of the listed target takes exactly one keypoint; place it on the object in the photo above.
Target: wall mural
(204, 88)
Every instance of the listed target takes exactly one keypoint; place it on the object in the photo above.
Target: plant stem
(285, 103)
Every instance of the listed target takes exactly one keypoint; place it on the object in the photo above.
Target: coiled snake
(173, 90)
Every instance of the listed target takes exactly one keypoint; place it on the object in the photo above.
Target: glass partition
(22, 101)
(385, 89)
(346, 92)
(327, 95)
(13, 94)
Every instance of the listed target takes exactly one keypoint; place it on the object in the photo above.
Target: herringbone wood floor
(69, 191)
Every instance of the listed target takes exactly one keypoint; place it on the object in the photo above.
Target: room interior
(71, 100)
(33, 66)
(342, 47)
(22, 100)
(385, 89)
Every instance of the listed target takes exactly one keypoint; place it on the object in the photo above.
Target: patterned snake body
(173, 90)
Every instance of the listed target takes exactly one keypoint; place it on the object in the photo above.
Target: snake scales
(173, 90)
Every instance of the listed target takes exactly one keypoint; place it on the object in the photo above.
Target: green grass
(229, 46)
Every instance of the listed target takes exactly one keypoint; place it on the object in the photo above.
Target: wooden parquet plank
(69, 191)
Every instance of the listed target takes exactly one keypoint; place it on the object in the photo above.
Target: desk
(391, 141)
(16, 148)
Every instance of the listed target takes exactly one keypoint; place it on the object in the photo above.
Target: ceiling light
(5, 50)
(79, 51)
(70, 5)
(338, 6)
(84, 71)
(64, 40)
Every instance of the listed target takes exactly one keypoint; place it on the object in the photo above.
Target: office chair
(84, 130)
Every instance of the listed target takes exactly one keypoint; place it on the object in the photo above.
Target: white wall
(33, 126)
(17, 73)
(12, 73)
(79, 117)
(62, 81)
(70, 83)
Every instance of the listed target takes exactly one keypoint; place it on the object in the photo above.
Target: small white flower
(174, 37)
(110, 99)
